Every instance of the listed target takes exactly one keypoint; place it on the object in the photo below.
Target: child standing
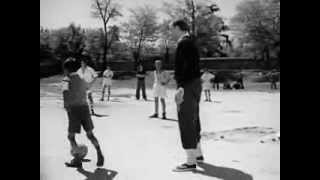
(141, 85)
(107, 82)
(76, 105)
(89, 76)
(206, 83)
(161, 79)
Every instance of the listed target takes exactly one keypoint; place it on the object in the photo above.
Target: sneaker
(185, 167)
(74, 163)
(164, 116)
(155, 115)
(100, 161)
(200, 159)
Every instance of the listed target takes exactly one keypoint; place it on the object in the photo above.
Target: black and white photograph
(159, 89)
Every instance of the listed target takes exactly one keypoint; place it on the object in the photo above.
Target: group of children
(77, 91)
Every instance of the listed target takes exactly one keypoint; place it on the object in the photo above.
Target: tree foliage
(257, 24)
(208, 27)
(141, 28)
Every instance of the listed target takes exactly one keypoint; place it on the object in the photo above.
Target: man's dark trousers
(188, 114)
(141, 85)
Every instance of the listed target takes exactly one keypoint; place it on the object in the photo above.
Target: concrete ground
(139, 148)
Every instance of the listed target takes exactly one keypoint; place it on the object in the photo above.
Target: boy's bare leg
(103, 92)
(209, 95)
(156, 105)
(156, 108)
(72, 140)
(206, 94)
(95, 143)
(163, 103)
(76, 161)
(91, 102)
(109, 92)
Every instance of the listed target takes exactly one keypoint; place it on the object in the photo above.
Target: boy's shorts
(79, 116)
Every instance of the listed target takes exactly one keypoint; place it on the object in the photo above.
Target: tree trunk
(139, 46)
(105, 48)
(193, 18)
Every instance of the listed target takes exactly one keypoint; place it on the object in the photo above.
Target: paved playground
(139, 148)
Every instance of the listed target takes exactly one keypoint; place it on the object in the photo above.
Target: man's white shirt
(88, 74)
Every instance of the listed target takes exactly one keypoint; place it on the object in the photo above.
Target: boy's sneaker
(155, 115)
(164, 116)
(200, 159)
(100, 160)
(74, 163)
(185, 167)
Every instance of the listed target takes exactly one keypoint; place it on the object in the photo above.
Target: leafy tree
(207, 27)
(141, 28)
(257, 24)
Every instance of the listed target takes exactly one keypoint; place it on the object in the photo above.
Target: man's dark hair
(183, 26)
(70, 65)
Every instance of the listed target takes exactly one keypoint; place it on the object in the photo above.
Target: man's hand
(179, 96)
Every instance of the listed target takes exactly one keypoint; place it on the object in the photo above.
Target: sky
(60, 13)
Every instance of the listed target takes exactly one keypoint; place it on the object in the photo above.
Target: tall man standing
(188, 95)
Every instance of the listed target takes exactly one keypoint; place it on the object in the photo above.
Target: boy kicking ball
(206, 83)
(107, 82)
(76, 105)
(161, 79)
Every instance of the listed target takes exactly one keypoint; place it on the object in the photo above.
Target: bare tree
(141, 27)
(105, 10)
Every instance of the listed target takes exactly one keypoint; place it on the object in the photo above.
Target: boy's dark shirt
(187, 60)
(76, 94)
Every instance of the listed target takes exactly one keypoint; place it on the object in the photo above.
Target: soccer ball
(80, 151)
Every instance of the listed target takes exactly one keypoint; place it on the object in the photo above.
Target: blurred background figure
(141, 85)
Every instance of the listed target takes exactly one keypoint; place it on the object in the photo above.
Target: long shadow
(98, 174)
(99, 115)
(168, 119)
(222, 173)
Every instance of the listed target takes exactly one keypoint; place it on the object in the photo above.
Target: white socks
(198, 150)
(191, 156)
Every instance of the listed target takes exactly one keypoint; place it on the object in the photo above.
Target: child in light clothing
(161, 79)
(206, 83)
(107, 82)
(89, 76)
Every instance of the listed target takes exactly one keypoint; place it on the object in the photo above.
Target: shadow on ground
(98, 174)
(222, 173)
(169, 119)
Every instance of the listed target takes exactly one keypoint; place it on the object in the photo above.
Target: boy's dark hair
(70, 65)
(84, 60)
(183, 26)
